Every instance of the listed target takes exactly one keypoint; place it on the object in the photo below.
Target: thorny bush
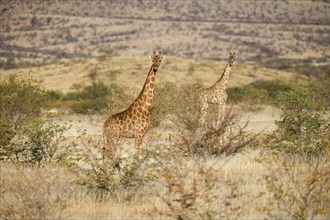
(213, 137)
(198, 191)
(42, 193)
(119, 176)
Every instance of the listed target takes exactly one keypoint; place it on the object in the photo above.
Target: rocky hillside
(258, 30)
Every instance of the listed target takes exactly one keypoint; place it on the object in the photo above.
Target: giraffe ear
(150, 57)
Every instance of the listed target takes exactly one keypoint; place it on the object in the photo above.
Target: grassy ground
(251, 184)
(240, 191)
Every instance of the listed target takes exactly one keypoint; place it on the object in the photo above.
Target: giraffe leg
(138, 141)
(221, 113)
(204, 108)
(109, 150)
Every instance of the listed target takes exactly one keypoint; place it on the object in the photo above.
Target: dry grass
(34, 193)
(228, 187)
(131, 72)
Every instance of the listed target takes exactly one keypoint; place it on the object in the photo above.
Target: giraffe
(216, 94)
(134, 121)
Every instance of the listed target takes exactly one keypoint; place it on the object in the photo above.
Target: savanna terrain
(65, 66)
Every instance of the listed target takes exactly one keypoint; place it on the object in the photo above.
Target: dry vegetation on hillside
(258, 30)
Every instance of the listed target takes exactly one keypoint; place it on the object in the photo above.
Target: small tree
(21, 101)
(298, 178)
(298, 115)
(104, 178)
(37, 143)
(303, 125)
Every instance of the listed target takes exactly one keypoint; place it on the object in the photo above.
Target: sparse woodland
(65, 66)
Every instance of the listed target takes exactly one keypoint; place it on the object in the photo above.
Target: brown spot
(149, 101)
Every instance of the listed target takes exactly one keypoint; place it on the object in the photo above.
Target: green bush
(36, 143)
(304, 125)
(95, 97)
(7, 132)
(235, 94)
(320, 92)
(298, 115)
(271, 86)
(258, 92)
(97, 89)
(53, 95)
(304, 67)
(21, 101)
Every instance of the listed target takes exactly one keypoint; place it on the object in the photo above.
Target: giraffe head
(232, 56)
(156, 60)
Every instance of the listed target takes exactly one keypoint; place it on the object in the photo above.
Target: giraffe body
(217, 94)
(135, 120)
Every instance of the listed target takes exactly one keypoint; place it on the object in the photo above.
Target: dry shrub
(228, 138)
(42, 193)
(212, 138)
(298, 182)
(163, 102)
(198, 191)
(119, 177)
(39, 142)
(296, 189)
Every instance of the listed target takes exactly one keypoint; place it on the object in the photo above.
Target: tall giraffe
(216, 94)
(134, 121)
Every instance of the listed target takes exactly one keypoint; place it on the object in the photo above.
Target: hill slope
(131, 71)
(257, 30)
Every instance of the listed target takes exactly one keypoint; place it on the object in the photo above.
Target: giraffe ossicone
(135, 120)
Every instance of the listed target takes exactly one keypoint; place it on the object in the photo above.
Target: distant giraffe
(134, 121)
(216, 94)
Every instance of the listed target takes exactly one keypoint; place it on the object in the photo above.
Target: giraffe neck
(222, 82)
(146, 96)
